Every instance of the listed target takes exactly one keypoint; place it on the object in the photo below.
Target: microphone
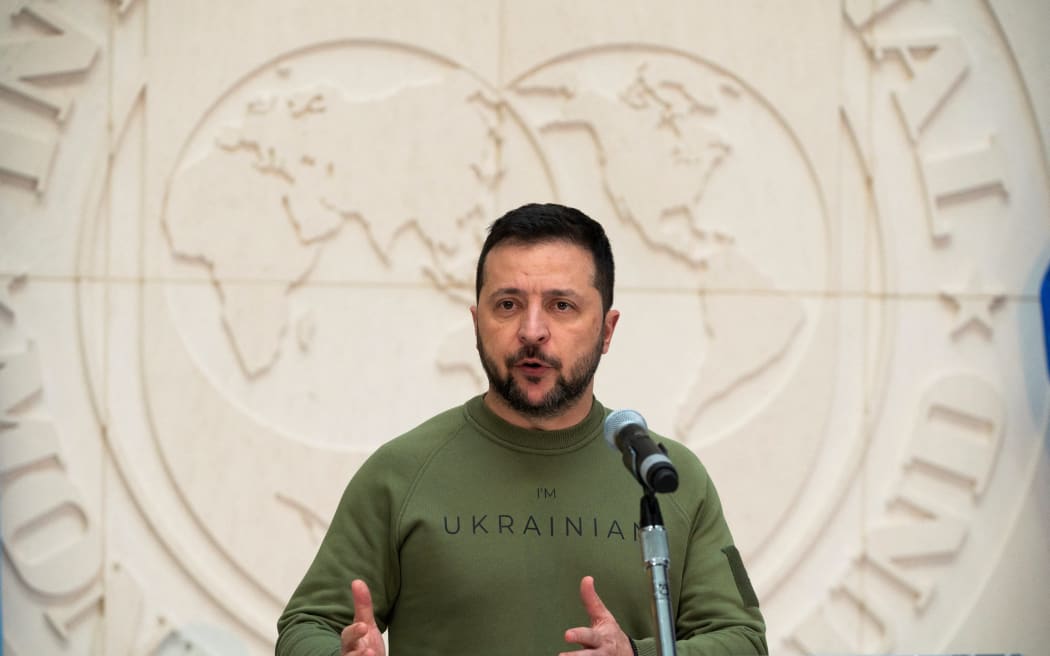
(627, 432)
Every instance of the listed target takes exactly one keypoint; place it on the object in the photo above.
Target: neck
(566, 418)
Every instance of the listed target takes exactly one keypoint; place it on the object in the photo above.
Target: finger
(582, 636)
(352, 635)
(357, 645)
(596, 610)
(362, 602)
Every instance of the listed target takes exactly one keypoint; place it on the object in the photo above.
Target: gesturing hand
(362, 638)
(604, 636)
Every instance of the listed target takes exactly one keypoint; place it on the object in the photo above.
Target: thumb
(362, 602)
(596, 609)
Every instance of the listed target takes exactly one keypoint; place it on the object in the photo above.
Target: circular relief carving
(322, 187)
(304, 199)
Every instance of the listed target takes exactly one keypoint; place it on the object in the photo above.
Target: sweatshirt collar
(524, 439)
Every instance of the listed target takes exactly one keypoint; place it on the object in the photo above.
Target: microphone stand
(657, 557)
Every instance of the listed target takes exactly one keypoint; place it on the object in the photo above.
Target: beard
(566, 390)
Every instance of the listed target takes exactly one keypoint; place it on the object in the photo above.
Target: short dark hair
(537, 223)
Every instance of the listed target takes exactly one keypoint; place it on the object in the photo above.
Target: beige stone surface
(237, 244)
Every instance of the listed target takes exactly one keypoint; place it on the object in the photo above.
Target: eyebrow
(514, 291)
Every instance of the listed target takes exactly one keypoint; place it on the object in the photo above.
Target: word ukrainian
(531, 525)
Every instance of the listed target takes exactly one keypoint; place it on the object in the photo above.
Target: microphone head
(616, 421)
(665, 478)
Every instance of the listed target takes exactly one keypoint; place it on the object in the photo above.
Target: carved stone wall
(237, 244)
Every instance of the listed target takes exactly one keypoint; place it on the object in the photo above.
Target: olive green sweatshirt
(473, 535)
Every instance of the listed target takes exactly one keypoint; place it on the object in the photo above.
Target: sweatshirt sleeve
(718, 612)
(360, 544)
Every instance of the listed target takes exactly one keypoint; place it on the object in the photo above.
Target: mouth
(532, 366)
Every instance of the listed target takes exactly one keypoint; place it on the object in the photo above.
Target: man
(487, 529)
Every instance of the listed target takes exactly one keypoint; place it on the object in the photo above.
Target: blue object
(1044, 301)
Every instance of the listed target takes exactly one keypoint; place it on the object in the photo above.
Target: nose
(533, 328)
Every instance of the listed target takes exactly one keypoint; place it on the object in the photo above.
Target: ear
(611, 318)
(474, 316)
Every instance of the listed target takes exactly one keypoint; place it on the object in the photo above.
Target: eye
(562, 306)
(505, 304)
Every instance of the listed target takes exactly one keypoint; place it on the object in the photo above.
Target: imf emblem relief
(248, 285)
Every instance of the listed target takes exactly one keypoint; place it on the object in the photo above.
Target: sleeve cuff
(644, 647)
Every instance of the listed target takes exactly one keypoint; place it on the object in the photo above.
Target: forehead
(556, 262)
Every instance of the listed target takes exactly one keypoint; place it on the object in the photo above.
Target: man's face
(540, 327)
